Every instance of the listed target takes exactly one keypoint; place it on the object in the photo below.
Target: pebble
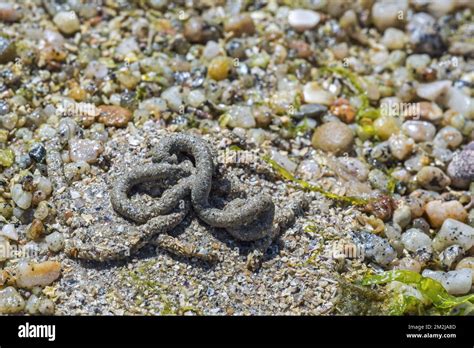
(9, 13)
(458, 101)
(11, 301)
(241, 116)
(386, 126)
(451, 255)
(44, 184)
(219, 68)
(394, 39)
(84, 150)
(67, 22)
(457, 282)
(127, 47)
(302, 20)
(7, 158)
(379, 180)
(37, 152)
(283, 160)
(400, 146)
(353, 168)
(42, 211)
(29, 275)
(36, 230)
(173, 98)
(309, 170)
(461, 168)
(9, 231)
(21, 198)
(376, 248)
(194, 30)
(424, 35)
(454, 232)
(314, 94)
(239, 25)
(430, 111)
(409, 264)
(334, 136)
(311, 111)
(386, 14)
(466, 263)
(438, 211)
(419, 131)
(415, 240)
(55, 241)
(432, 178)
(96, 70)
(402, 216)
(431, 91)
(7, 50)
(448, 137)
(114, 116)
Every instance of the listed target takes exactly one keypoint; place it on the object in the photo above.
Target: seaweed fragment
(431, 291)
(306, 186)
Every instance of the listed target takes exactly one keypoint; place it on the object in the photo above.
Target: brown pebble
(240, 24)
(302, 49)
(334, 136)
(8, 13)
(36, 230)
(381, 206)
(114, 116)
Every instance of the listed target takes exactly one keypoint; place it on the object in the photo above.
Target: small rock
(461, 168)
(409, 264)
(114, 116)
(402, 216)
(219, 68)
(432, 178)
(433, 90)
(400, 146)
(454, 232)
(7, 158)
(448, 137)
(438, 211)
(419, 131)
(415, 240)
(84, 150)
(239, 25)
(283, 160)
(55, 241)
(394, 39)
(309, 170)
(37, 152)
(451, 255)
(9, 13)
(311, 111)
(11, 301)
(7, 50)
(36, 230)
(9, 231)
(67, 22)
(466, 263)
(241, 116)
(20, 197)
(314, 94)
(376, 248)
(386, 126)
(29, 275)
(424, 35)
(455, 282)
(302, 20)
(389, 14)
(334, 136)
